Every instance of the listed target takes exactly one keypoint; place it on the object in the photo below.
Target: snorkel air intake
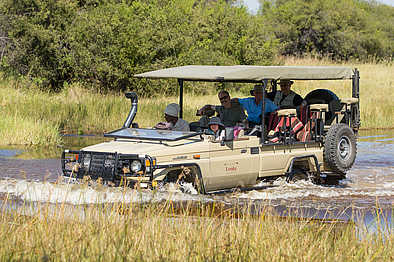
(133, 110)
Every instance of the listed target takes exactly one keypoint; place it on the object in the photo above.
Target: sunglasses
(223, 98)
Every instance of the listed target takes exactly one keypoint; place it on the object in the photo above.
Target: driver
(173, 122)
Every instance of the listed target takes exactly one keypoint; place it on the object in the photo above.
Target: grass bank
(159, 232)
(33, 117)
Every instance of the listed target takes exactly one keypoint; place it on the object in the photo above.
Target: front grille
(101, 165)
(108, 166)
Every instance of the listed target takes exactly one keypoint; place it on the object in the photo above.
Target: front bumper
(108, 166)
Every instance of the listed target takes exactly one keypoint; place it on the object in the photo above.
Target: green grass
(33, 117)
(161, 232)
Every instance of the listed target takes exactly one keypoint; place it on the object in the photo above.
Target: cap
(215, 121)
(285, 81)
(257, 88)
(172, 110)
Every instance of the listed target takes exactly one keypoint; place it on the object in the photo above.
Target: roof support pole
(180, 83)
(355, 84)
(355, 108)
(262, 137)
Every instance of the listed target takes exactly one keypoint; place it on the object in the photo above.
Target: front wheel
(340, 148)
(186, 175)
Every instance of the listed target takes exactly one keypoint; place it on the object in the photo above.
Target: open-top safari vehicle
(150, 157)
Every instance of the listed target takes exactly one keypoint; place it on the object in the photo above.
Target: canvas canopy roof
(249, 73)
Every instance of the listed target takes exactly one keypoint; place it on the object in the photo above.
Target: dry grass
(34, 117)
(159, 232)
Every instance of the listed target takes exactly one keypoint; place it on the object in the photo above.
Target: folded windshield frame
(150, 134)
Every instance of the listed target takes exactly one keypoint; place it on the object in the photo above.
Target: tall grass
(159, 232)
(30, 116)
(37, 118)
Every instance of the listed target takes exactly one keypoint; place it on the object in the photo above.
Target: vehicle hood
(152, 148)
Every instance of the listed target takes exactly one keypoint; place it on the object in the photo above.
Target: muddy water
(35, 175)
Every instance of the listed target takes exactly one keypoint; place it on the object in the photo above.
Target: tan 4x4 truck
(150, 157)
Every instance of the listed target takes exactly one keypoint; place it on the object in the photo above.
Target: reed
(163, 232)
(34, 117)
(31, 116)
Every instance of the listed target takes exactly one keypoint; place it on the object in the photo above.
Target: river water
(34, 175)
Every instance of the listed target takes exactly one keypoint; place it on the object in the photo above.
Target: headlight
(86, 161)
(135, 166)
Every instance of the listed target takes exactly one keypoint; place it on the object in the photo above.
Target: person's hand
(163, 125)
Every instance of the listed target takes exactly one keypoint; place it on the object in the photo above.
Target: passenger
(253, 105)
(285, 98)
(230, 112)
(216, 128)
(173, 122)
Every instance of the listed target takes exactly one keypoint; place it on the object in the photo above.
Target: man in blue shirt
(253, 105)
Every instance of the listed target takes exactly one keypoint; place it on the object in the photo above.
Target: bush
(342, 29)
(103, 44)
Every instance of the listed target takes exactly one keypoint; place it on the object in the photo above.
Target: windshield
(150, 134)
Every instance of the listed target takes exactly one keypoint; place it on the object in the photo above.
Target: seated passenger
(230, 112)
(173, 122)
(253, 105)
(285, 98)
(216, 128)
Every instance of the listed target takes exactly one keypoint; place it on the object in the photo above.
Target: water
(34, 174)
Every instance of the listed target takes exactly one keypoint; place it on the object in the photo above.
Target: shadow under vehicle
(150, 157)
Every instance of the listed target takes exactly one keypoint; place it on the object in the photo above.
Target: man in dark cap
(285, 98)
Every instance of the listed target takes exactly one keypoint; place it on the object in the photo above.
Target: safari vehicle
(151, 157)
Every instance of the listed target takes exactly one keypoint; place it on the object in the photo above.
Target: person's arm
(242, 101)
(206, 110)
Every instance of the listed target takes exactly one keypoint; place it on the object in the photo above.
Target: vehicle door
(233, 163)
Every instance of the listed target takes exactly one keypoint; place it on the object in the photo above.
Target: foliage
(37, 43)
(340, 29)
(104, 43)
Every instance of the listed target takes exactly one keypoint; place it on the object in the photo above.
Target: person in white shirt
(173, 122)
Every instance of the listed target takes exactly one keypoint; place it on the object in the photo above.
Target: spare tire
(340, 148)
